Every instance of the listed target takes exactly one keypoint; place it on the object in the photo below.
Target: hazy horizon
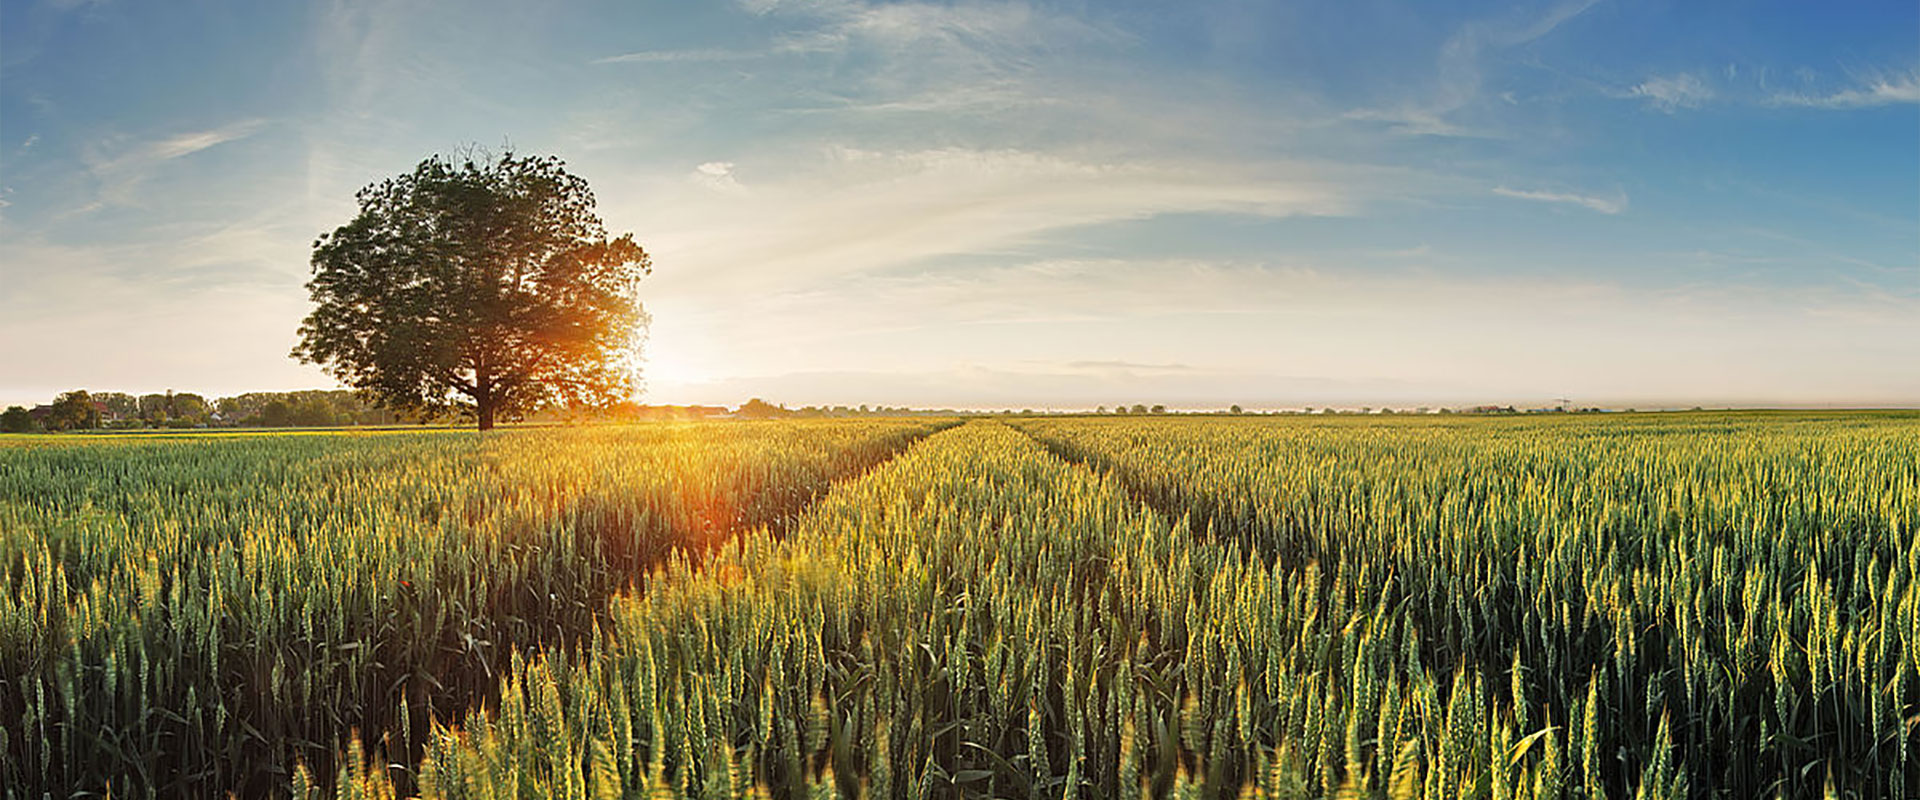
(1017, 204)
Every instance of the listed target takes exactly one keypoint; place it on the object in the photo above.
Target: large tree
(487, 286)
(16, 419)
(73, 410)
(118, 405)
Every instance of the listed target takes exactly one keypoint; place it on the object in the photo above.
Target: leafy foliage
(16, 419)
(307, 409)
(73, 410)
(488, 287)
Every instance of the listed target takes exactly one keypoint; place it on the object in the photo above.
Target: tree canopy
(486, 286)
(16, 419)
(757, 408)
(73, 410)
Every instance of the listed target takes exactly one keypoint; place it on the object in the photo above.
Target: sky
(1017, 204)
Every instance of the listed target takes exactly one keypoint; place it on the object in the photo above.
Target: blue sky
(1029, 204)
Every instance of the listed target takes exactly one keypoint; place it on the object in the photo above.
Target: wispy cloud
(851, 211)
(676, 56)
(933, 30)
(121, 165)
(790, 44)
(1672, 92)
(1459, 72)
(1688, 90)
(1116, 365)
(1412, 121)
(119, 154)
(1879, 90)
(1605, 205)
(716, 175)
(971, 25)
(1417, 251)
(190, 143)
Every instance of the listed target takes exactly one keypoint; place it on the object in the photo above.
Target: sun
(663, 369)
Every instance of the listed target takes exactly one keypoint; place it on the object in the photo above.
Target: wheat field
(1656, 605)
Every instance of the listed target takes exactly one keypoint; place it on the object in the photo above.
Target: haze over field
(1026, 204)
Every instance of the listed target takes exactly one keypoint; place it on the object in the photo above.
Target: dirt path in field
(1206, 517)
(713, 531)
(1164, 506)
(780, 523)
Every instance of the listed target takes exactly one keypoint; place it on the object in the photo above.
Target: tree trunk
(483, 400)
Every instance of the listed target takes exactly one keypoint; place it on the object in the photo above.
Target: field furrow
(190, 616)
(1681, 607)
(1729, 596)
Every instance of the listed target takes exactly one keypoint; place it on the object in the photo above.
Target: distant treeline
(757, 408)
(81, 410)
(333, 408)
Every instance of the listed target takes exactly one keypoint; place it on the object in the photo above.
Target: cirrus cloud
(1672, 92)
(1879, 90)
(1605, 205)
